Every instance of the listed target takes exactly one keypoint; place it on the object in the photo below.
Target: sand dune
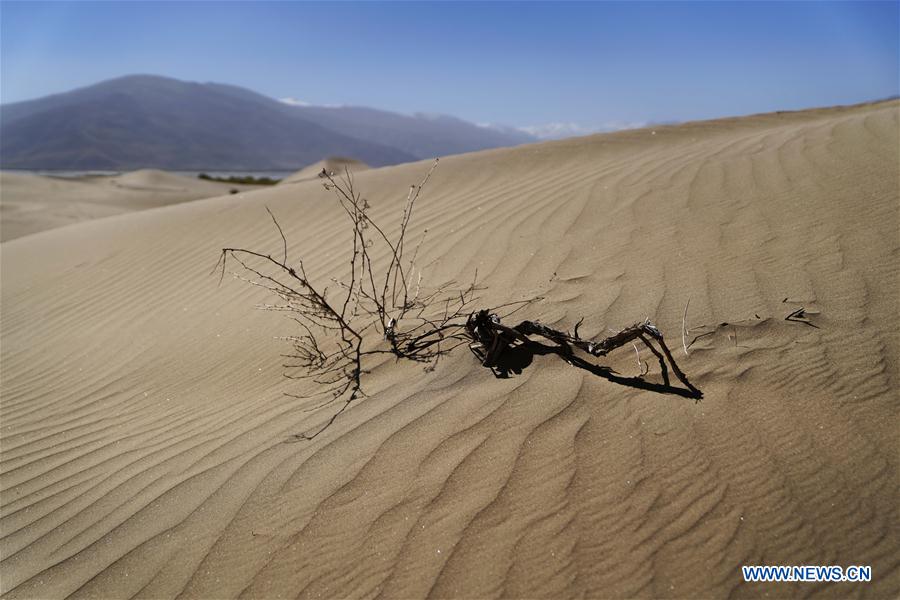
(31, 203)
(144, 427)
(333, 164)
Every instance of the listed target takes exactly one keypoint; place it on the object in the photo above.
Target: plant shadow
(518, 357)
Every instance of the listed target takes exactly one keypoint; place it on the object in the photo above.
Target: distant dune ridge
(142, 447)
(333, 164)
(32, 203)
(149, 121)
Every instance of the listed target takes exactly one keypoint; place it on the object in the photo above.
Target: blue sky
(591, 65)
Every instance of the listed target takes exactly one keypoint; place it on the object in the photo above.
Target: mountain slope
(420, 135)
(144, 121)
(148, 121)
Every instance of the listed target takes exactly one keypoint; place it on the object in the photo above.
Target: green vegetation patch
(246, 180)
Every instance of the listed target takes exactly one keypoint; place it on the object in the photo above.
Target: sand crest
(334, 164)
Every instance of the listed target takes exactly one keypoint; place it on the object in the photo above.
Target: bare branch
(420, 325)
(281, 232)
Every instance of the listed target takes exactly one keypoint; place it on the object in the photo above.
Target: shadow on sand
(519, 357)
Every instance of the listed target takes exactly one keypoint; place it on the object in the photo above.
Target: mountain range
(142, 121)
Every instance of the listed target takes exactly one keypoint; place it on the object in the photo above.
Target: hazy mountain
(419, 135)
(148, 121)
(144, 121)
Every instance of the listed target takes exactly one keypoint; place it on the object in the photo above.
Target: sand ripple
(143, 422)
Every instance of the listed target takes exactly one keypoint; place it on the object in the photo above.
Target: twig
(641, 364)
(799, 316)
(281, 232)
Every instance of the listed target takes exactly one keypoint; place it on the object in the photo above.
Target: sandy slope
(333, 164)
(143, 426)
(30, 203)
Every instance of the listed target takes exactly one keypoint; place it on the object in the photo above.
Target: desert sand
(333, 164)
(30, 203)
(145, 431)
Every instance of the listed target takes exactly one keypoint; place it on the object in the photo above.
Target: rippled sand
(144, 422)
